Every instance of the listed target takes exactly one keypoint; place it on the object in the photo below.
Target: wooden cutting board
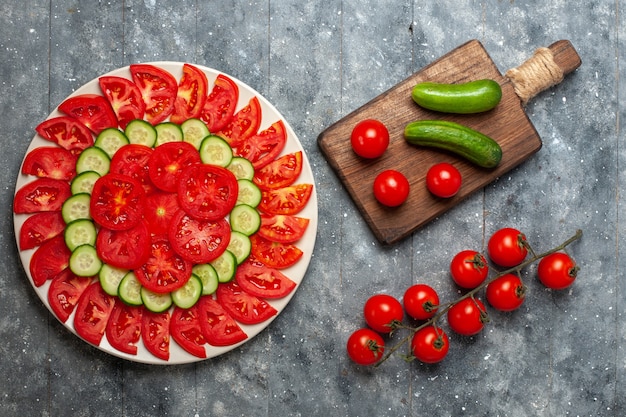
(507, 124)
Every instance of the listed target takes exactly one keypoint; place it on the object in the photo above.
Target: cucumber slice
(140, 132)
(194, 131)
(110, 278)
(168, 132)
(111, 140)
(80, 232)
(245, 219)
(157, 303)
(241, 168)
(129, 290)
(187, 295)
(225, 265)
(76, 207)
(93, 159)
(84, 261)
(249, 193)
(83, 182)
(215, 150)
(208, 276)
(240, 246)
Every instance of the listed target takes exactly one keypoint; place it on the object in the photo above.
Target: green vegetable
(472, 97)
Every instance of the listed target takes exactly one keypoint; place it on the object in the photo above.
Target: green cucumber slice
(157, 303)
(240, 246)
(187, 295)
(249, 193)
(241, 168)
(110, 278)
(80, 232)
(208, 276)
(111, 140)
(141, 132)
(215, 150)
(168, 132)
(84, 261)
(225, 265)
(83, 182)
(129, 290)
(194, 131)
(76, 207)
(245, 219)
(93, 159)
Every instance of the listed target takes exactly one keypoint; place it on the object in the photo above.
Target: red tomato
(42, 194)
(92, 110)
(261, 281)
(158, 90)
(420, 301)
(507, 247)
(467, 317)
(265, 146)
(155, 333)
(64, 292)
(243, 124)
(369, 138)
(132, 160)
(207, 192)
(39, 228)
(165, 270)
(382, 312)
(280, 173)
(92, 313)
(288, 200)
(117, 202)
(168, 161)
(185, 329)
(443, 180)
(50, 162)
(391, 188)
(243, 307)
(365, 347)
(192, 93)
(218, 327)
(124, 97)
(282, 228)
(220, 105)
(506, 293)
(49, 260)
(198, 241)
(66, 132)
(557, 271)
(274, 254)
(469, 269)
(123, 330)
(430, 344)
(161, 208)
(125, 249)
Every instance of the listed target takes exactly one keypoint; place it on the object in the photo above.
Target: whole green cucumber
(466, 98)
(468, 143)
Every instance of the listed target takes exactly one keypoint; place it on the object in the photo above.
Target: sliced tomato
(92, 110)
(132, 160)
(124, 97)
(279, 173)
(158, 90)
(92, 313)
(261, 281)
(220, 105)
(39, 228)
(218, 327)
(288, 200)
(243, 307)
(123, 330)
(49, 260)
(65, 291)
(66, 132)
(185, 329)
(42, 194)
(282, 228)
(155, 333)
(126, 249)
(244, 124)
(265, 146)
(168, 161)
(50, 162)
(207, 192)
(165, 270)
(198, 241)
(160, 210)
(117, 201)
(274, 254)
(192, 93)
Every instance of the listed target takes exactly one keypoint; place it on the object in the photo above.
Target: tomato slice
(124, 97)
(155, 333)
(158, 90)
(50, 162)
(261, 281)
(207, 192)
(117, 201)
(49, 260)
(220, 105)
(265, 146)
(186, 331)
(123, 329)
(42, 194)
(192, 93)
(160, 210)
(279, 173)
(92, 110)
(92, 313)
(198, 241)
(165, 270)
(288, 200)
(168, 161)
(282, 228)
(126, 249)
(218, 327)
(66, 132)
(39, 228)
(132, 160)
(274, 254)
(243, 124)
(243, 307)
(65, 291)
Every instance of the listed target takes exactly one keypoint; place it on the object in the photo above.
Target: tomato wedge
(288, 200)
(132, 160)
(218, 327)
(155, 333)
(207, 192)
(279, 173)
(198, 241)
(282, 228)
(160, 210)
(243, 307)
(261, 281)
(192, 93)
(265, 146)
(126, 249)
(92, 313)
(124, 97)
(42, 194)
(66, 132)
(220, 105)
(92, 110)
(117, 201)
(39, 228)
(123, 329)
(165, 270)
(49, 260)
(168, 161)
(243, 124)
(274, 254)
(158, 90)
(185, 329)
(65, 291)
(50, 162)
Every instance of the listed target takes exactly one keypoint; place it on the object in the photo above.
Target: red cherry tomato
(420, 301)
(381, 311)
(443, 180)
(467, 317)
(507, 247)
(506, 293)
(365, 347)
(469, 269)
(430, 344)
(557, 271)
(369, 138)
(391, 188)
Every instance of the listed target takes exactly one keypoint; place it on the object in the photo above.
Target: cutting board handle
(546, 68)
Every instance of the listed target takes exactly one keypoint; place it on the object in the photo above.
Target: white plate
(306, 244)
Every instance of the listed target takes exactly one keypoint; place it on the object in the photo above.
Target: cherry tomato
(430, 344)
(420, 301)
(443, 180)
(381, 311)
(369, 138)
(391, 188)
(507, 247)
(506, 293)
(467, 317)
(557, 271)
(365, 347)
(469, 269)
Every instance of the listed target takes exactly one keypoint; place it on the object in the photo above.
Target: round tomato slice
(49, 260)
(265, 146)
(207, 192)
(158, 90)
(261, 281)
(39, 228)
(64, 293)
(92, 313)
(50, 162)
(244, 124)
(218, 327)
(124, 97)
(66, 132)
(126, 249)
(287, 200)
(282, 228)
(279, 173)
(155, 333)
(185, 329)
(160, 210)
(243, 307)
(165, 270)
(220, 105)
(198, 241)
(274, 254)
(132, 160)
(92, 110)
(42, 194)
(123, 330)
(117, 201)
(168, 161)
(192, 93)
